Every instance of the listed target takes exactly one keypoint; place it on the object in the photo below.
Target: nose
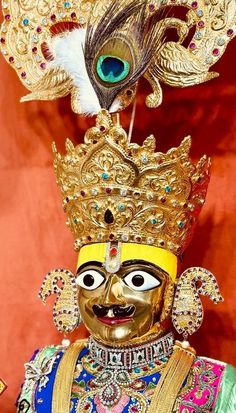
(113, 292)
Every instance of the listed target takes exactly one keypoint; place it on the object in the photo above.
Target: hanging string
(131, 125)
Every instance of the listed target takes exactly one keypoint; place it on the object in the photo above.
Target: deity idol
(132, 210)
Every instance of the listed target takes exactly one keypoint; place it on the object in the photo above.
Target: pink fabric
(118, 408)
(207, 377)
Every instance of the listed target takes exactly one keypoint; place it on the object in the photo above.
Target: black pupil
(88, 280)
(138, 280)
(111, 64)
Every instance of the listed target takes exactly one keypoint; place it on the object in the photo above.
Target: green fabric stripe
(226, 402)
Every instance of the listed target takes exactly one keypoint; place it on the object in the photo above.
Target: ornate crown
(114, 190)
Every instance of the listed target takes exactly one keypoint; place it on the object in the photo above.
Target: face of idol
(117, 307)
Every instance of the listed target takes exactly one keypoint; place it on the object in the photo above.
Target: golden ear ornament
(62, 283)
(187, 311)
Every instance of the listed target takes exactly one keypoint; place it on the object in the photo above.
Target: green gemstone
(181, 224)
(167, 189)
(154, 221)
(121, 207)
(105, 176)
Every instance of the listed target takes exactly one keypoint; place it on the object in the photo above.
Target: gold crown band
(164, 259)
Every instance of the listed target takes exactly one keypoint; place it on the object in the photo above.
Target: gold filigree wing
(213, 23)
(25, 31)
(53, 85)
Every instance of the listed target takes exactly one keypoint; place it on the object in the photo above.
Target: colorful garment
(209, 387)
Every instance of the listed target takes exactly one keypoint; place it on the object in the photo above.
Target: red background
(34, 237)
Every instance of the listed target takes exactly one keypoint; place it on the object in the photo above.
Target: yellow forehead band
(157, 256)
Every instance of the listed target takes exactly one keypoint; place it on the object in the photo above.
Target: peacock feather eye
(112, 69)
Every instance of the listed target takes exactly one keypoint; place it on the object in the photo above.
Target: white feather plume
(68, 53)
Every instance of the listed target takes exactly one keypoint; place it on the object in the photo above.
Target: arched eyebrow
(143, 262)
(89, 263)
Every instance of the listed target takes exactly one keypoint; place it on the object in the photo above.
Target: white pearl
(185, 344)
(65, 342)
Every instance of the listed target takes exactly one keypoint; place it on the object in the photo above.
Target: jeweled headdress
(63, 47)
(114, 190)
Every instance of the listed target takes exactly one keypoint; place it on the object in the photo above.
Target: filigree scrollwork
(65, 311)
(28, 26)
(187, 312)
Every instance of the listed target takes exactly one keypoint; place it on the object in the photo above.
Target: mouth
(111, 321)
(115, 314)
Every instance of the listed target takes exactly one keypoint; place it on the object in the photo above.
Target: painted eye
(90, 279)
(141, 280)
(112, 69)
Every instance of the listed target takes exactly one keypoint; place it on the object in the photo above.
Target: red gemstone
(216, 52)
(73, 15)
(82, 193)
(163, 199)
(108, 190)
(112, 236)
(102, 128)
(192, 46)
(151, 7)
(39, 29)
(89, 238)
(53, 17)
(86, 406)
(2, 40)
(201, 23)
(11, 59)
(194, 4)
(23, 75)
(134, 409)
(145, 368)
(230, 32)
(113, 252)
(43, 65)
(34, 50)
(7, 17)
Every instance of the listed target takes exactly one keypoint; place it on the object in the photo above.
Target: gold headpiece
(31, 26)
(114, 190)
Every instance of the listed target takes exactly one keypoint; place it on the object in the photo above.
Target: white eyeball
(140, 280)
(90, 279)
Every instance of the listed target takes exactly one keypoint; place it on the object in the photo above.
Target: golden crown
(114, 190)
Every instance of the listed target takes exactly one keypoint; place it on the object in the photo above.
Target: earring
(187, 312)
(66, 315)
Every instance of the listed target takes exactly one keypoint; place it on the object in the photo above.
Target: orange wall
(34, 238)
